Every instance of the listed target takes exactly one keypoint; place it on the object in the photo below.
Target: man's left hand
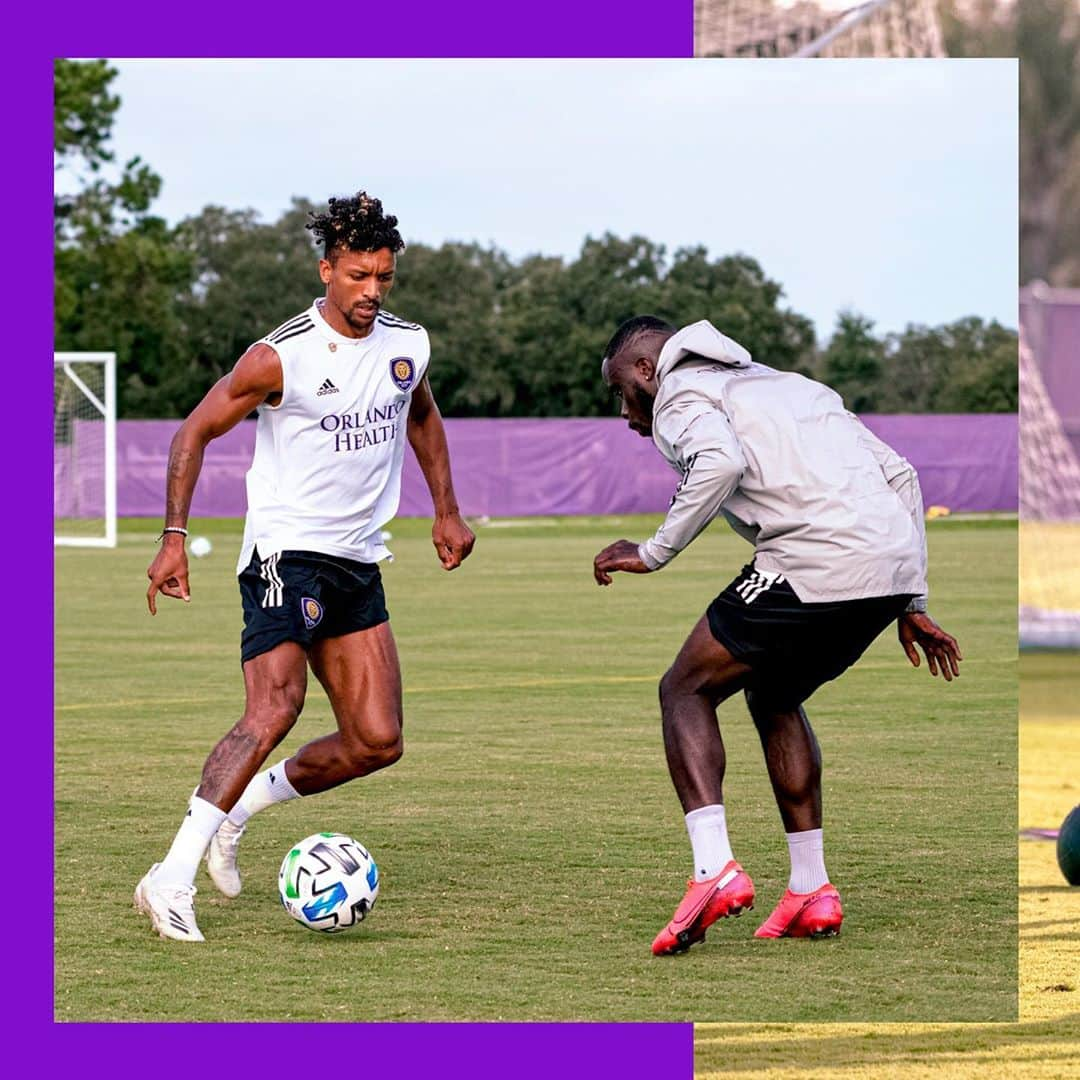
(453, 540)
(942, 650)
(620, 556)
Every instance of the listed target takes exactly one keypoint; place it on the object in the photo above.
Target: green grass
(529, 841)
(1039, 1050)
(1047, 1037)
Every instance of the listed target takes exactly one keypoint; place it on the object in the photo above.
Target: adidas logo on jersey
(327, 388)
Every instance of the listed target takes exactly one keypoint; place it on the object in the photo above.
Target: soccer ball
(1068, 846)
(328, 882)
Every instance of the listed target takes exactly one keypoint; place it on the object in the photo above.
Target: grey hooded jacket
(825, 502)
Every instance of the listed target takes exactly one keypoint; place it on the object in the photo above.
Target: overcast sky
(887, 186)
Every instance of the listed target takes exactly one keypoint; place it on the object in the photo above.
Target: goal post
(1049, 469)
(817, 28)
(84, 449)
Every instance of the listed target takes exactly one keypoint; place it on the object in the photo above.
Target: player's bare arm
(255, 379)
(941, 649)
(621, 556)
(312, 542)
(453, 539)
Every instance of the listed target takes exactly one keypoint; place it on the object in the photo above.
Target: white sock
(707, 827)
(807, 851)
(269, 787)
(195, 833)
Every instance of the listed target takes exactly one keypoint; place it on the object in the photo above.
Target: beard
(358, 318)
(641, 410)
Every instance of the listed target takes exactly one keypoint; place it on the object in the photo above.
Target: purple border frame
(417, 28)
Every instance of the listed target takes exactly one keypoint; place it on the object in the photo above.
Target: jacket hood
(700, 339)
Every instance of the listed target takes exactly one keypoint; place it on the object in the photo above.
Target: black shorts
(794, 647)
(304, 596)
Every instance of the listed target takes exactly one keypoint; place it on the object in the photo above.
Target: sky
(889, 187)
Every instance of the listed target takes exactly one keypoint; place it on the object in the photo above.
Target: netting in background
(827, 28)
(1049, 470)
(84, 446)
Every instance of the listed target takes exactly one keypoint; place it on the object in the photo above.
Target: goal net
(829, 28)
(1049, 469)
(84, 449)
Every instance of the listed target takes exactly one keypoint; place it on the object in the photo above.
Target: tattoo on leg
(231, 764)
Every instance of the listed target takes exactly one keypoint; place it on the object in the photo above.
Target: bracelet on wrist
(171, 529)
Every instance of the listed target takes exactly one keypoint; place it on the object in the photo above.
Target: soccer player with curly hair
(337, 390)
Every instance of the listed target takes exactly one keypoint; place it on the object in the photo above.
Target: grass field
(1045, 1044)
(1049, 586)
(529, 842)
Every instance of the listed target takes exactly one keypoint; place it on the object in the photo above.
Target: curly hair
(356, 223)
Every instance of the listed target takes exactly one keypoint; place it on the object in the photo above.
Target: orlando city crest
(312, 611)
(403, 372)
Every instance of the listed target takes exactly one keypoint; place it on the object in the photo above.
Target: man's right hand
(168, 573)
(622, 555)
(255, 379)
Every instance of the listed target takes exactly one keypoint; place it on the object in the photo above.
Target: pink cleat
(731, 892)
(817, 914)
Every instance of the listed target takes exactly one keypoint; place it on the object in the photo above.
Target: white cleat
(221, 858)
(169, 907)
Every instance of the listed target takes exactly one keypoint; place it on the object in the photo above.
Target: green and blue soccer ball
(328, 882)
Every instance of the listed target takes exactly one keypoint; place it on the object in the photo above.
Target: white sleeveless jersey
(326, 475)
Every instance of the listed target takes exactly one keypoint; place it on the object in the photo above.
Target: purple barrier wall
(966, 462)
(79, 472)
(516, 468)
(1051, 319)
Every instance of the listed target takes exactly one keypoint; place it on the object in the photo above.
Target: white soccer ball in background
(199, 546)
(328, 882)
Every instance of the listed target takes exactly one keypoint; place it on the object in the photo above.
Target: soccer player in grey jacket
(836, 520)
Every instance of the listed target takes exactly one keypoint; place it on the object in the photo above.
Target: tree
(1048, 43)
(246, 277)
(558, 318)
(456, 291)
(852, 364)
(126, 292)
(510, 338)
(735, 294)
(965, 366)
(83, 116)
(119, 271)
(83, 112)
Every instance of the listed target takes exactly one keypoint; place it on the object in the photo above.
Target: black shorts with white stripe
(794, 647)
(305, 596)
